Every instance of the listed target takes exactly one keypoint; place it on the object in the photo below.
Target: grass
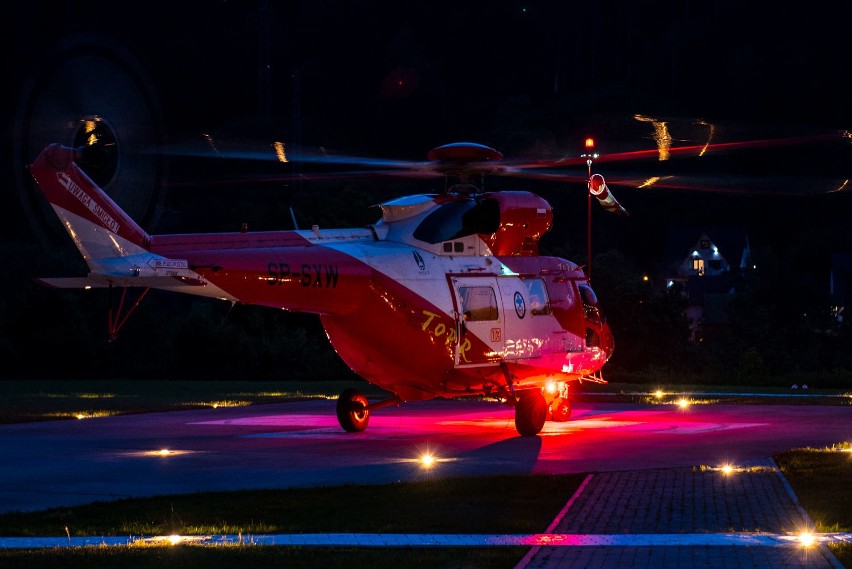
(500, 504)
(192, 557)
(821, 478)
(42, 400)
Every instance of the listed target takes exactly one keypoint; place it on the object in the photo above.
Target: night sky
(389, 80)
(385, 79)
(392, 80)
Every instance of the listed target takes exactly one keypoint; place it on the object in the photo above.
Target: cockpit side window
(538, 299)
(590, 304)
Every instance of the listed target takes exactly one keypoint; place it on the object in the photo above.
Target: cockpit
(457, 219)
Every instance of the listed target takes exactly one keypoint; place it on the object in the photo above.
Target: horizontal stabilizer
(103, 281)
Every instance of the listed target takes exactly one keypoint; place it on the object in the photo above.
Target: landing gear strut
(560, 409)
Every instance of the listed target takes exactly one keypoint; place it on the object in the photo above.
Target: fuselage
(422, 304)
(445, 295)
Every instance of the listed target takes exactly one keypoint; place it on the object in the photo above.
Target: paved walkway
(754, 502)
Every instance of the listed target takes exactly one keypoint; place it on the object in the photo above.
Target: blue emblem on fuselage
(421, 264)
(520, 305)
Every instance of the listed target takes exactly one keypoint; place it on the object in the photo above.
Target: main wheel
(352, 412)
(530, 412)
(560, 409)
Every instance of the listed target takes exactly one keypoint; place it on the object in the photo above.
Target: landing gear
(530, 412)
(353, 410)
(353, 413)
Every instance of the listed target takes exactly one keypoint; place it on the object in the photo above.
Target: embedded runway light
(174, 539)
(727, 469)
(806, 539)
(159, 453)
(427, 460)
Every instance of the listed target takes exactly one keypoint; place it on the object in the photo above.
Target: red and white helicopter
(444, 296)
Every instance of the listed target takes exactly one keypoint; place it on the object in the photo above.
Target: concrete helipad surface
(71, 462)
(653, 497)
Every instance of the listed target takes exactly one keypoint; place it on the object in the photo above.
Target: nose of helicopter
(607, 340)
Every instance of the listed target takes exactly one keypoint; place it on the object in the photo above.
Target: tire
(352, 412)
(530, 412)
(560, 409)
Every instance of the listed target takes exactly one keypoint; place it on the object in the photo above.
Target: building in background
(709, 265)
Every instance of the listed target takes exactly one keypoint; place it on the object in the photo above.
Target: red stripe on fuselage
(376, 324)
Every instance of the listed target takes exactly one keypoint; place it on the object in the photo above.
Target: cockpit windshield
(456, 219)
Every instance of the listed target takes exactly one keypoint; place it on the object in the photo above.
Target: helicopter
(445, 295)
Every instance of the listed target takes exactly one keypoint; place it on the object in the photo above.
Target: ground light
(161, 453)
(807, 539)
(683, 403)
(173, 539)
(427, 460)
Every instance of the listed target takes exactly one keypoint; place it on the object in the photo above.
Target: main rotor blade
(665, 153)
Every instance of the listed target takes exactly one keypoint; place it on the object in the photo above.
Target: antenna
(293, 217)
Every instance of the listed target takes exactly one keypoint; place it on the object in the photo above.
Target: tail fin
(116, 249)
(99, 228)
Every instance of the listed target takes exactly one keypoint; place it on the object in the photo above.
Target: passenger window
(478, 303)
(538, 299)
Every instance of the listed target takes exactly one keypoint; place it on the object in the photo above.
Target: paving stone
(684, 501)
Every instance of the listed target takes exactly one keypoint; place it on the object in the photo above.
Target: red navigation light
(590, 143)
